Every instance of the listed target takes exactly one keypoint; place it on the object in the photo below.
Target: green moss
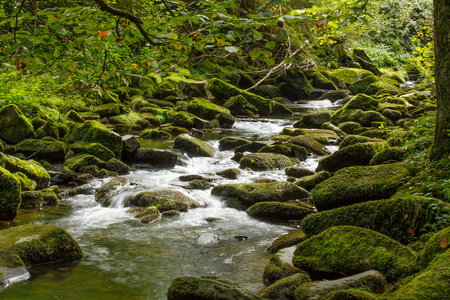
(291, 150)
(96, 149)
(357, 184)
(231, 142)
(164, 200)
(265, 161)
(231, 173)
(276, 269)
(82, 160)
(310, 144)
(251, 193)
(145, 214)
(360, 56)
(295, 85)
(193, 146)
(205, 109)
(279, 210)
(14, 126)
(51, 151)
(30, 168)
(350, 140)
(10, 189)
(25, 183)
(175, 130)
(115, 165)
(74, 116)
(239, 106)
(314, 119)
(350, 75)
(362, 102)
(394, 154)
(434, 247)
(402, 219)
(291, 239)
(382, 86)
(108, 110)
(310, 182)
(351, 250)
(31, 199)
(323, 136)
(154, 134)
(351, 294)
(285, 287)
(49, 129)
(319, 80)
(361, 85)
(132, 118)
(298, 172)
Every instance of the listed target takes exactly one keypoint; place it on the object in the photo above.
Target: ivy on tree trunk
(441, 145)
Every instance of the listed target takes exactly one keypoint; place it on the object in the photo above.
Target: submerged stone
(164, 200)
(145, 214)
(110, 189)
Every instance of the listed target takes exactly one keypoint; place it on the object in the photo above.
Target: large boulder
(360, 56)
(29, 245)
(266, 161)
(285, 287)
(350, 75)
(32, 169)
(156, 157)
(96, 149)
(280, 210)
(295, 85)
(193, 146)
(164, 200)
(51, 151)
(313, 119)
(205, 109)
(290, 239)
(207, 288)
(310, 144)
(95, 132)
(358, 184)
(14, 125)
(407, 216)
(434, 247)
(309, 182)
(351, 250)
(10, 195)
(280, 266)
(319, 81)
(110, 189)
(251, 193)
(239, 106)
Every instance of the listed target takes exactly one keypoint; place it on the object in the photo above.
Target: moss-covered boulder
(265, 161)
(132, 119)
(309, 182)
(295, 85)
(401, 218)
(372, 280)
(351, 139)
(14, 125)
(361, 85)
(280, 266)
(382, 87)
(31, 199)
(319, 81)
(389, 155)
(154, 134)
(360, 56)
(355, 155)
(163, 200)
(239, 106)
(358, 184)
(117, 166)
(159, 158)
(26, 183)
(193, 146)
(10, 195)
(29, 245)
(95, 132)
(353, 294)
(431, 284)
(434, 247)
(30, 168)
(205, 109)
(290, 239)
(310, 144)
(51, 151)
(145, 214)
(313, 120)
(74, 116)
(109, 110)
(280, 210)
(96, 149)
(230, 173)
(290, 150)
(323, 136)
(250, 147)
(351, 250)
(285, 287)
(83, 162)
(207, 288)
(350, 75)
(349, 127)
(110, 189)
(298, 172)
(251, 193)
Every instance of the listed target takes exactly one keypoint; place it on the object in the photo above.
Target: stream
(125, 259)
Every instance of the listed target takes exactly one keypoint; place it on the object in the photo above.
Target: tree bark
(441, 144)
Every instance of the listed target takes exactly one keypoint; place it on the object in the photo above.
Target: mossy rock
(74, 116)
(362, 102)
(32, 169)
(10, 191)
(14, 125)
(117, 166)
(372, 281)
(434, 247)
(293, 238)
(392, 114)
(175, 130)
(401, 218)
(280, 210)
(31, 199)
(239, 106)
(351, 140)
(110, 189)
(313, 120)
(309, 182)
(431, 284)
(349, 127)
(280, 266)
(285, 287)
(323, 136)
(95, 132)
(393, 154)
(230, 173)
(205, 109)
(360, 56)
(154, 134)
(269, 91)
(159, 158)
(251, 193)
(207, 288)
(350, 75)
(358, 184)
(96, 149)
(82, 162)
(49, 129)
(250, 147)
(29, 245)
(110, 97)
(133, 119)
(163, 200)
(351, 250)
(290, 150)
(361, 86)
(193, 146)
(310, 144)
(319, 81)
(394, 76)
(51, 151)
(265, 161)
(193, 88)
(108, 110)
(334, 96)
(355, 155)
(298, 172)
(351, 294)
(49, 198)
(183, 120)
(295, 85)
(25, 183)
(145, 214)
(382, 86)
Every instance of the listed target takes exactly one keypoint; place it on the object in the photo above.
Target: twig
(17, 20)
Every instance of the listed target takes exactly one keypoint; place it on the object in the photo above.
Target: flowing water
(125, 259)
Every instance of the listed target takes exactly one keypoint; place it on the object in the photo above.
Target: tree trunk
(441, 145)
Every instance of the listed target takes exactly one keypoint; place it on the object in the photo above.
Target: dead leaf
(406, 216)
(443, 243)
(411, 231)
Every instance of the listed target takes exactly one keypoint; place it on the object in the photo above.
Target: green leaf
(270, 45)
(232, 49)
(288, 60)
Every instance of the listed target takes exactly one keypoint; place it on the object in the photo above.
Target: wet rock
(298, 172)
(193, 146)
(310, 144)
(349, 127)
(14, 126)
(84, 163)
(207, 288)
(231, 173)
(231, 142)
(84, 189)
(284, 288)
(293, 238)
(351, 250)
(319, 81)
(145, 214)
(212, 219)
(29, 245)
(313, 120)
(333, 96)
(110, 189)
(205, 109)
(309, 182)
(156, 157)
(194, 177)
(25, 183)
(239, 106)
(208, 238)
(351, 75)
(32, 169)
(360, 56)
(251, 193)
(117, 166)
(51, 151)
(130, 144)
(280, 210)
(295, 85)
(164, 200)
(357, 184)
(96, 149)
(290, 150)
(389, 155)
(266, 161)
(10, 195)
(280, 266)
(31, 199)
(250, 147)
(198, 184)
(355, 294)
